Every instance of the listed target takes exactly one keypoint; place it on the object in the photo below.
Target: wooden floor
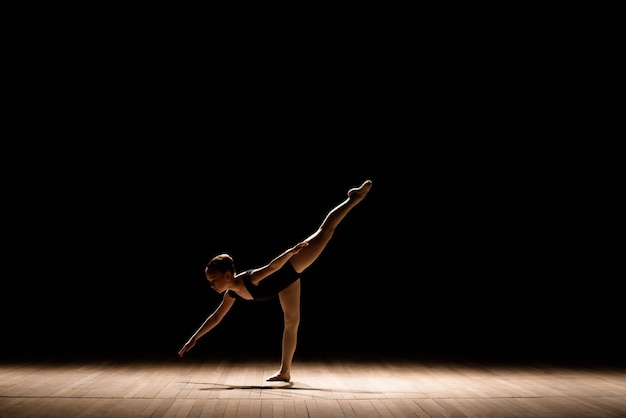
(320, 388)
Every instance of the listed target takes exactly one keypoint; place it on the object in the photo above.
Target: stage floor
(319, 388)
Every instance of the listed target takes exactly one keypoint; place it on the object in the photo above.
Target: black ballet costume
(269, 287)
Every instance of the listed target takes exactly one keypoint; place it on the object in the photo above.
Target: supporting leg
(290, 303)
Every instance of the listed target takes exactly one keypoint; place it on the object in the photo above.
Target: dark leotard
(270, 286)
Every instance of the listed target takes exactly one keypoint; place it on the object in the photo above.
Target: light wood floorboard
(319, 388)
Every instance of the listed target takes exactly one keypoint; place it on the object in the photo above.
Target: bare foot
(279, 377)
(358, 193)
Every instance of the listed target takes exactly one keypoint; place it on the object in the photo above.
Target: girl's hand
(296, 249)
(188, 346)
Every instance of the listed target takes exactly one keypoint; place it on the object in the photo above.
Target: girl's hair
(222, 263)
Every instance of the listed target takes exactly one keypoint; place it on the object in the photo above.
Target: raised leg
(318, 240)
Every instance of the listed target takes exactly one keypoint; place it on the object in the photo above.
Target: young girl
(281, 277)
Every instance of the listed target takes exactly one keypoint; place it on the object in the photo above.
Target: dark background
(491, 232)
(459, 251)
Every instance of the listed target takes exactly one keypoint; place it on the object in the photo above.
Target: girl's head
(221, 263)
(220, 272)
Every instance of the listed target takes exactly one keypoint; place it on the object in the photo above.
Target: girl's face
(219, 282)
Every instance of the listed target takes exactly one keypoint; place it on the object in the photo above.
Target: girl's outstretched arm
(209, 323)
(275, 265)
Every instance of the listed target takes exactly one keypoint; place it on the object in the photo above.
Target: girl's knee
(292, 322)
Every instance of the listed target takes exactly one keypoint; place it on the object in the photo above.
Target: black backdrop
(490, 230)
(459, 251)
